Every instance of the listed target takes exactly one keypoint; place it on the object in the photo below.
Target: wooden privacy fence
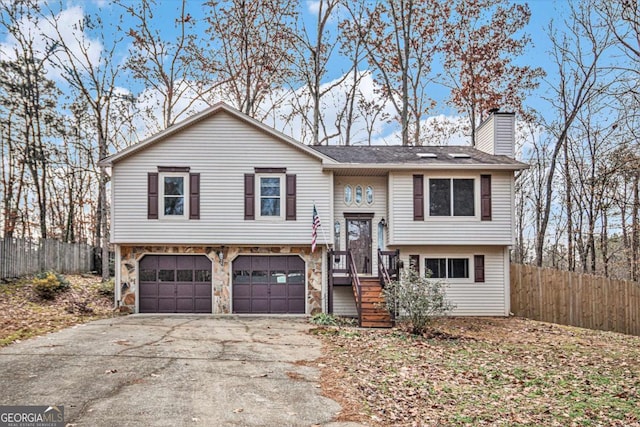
(20, 257)
(575, 299)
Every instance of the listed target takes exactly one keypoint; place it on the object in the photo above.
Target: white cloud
(282, 111)
(42, 31)
(313, 7)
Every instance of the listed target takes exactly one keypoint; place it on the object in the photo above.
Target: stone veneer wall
(129, 255)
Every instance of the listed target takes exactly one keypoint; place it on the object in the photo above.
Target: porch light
(383, 223)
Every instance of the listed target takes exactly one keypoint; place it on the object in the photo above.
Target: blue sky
(542, 12)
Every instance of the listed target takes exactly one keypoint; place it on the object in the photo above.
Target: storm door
(359, 243)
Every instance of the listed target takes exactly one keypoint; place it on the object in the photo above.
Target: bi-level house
(214, 215)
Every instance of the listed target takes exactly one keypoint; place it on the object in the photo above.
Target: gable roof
(209, 112)
(410, 157)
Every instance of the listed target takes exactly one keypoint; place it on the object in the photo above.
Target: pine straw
(23, 314)
(483, 371)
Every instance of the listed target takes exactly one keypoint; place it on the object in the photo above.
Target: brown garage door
(175, 284)
(268, 284)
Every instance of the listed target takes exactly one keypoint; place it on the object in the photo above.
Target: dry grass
(23, 314)
(483, 371)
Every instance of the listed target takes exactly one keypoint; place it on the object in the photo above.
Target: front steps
(373, 312)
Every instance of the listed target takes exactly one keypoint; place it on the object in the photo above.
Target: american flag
(314, 229)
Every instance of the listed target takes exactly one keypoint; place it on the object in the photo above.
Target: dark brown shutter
(291, 197)
(478, 266)
(485, 197)
(418, 197)
(249, 196)
(194, 196)
(414, 262)
(152, 195)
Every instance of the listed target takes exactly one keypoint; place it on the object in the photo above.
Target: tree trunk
(104, 226)
(635, 230)
(569, 207)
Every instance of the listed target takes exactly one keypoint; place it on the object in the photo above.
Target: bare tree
(94, 81)
(576, 54)
(482, 41)
(164, 64)
(12, 164)
(35, 97)
(251, 41)
(401, 38)
(315, 47)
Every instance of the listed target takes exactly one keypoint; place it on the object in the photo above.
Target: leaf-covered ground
(23, 314)
(483, 371)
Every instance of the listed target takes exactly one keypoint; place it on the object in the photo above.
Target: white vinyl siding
(403, 230)
(504, 135)
(378, 208)
(497, 135)
(344, 304)
(488, 298)
(222, 149)
(484, 136)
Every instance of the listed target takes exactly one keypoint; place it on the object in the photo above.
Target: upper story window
(369, 195)
(348, 195)
(174, 193)
(174, 187)
(270, 193)
(358, 195)
(270, 196)
(449, 197)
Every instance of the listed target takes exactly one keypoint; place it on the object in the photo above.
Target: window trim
(451, 216)
(185, 195)
(258, 195)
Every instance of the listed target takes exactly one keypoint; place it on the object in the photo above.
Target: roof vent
(460, 155)
(427, 155)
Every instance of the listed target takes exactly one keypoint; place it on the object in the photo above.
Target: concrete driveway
(172, 371)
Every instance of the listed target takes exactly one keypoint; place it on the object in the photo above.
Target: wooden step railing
(356, 285)
(388, 266)
(343, 271)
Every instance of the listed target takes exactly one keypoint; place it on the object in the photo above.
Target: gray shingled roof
(398, 154)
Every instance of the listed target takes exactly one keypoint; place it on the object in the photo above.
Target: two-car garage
(260, 284)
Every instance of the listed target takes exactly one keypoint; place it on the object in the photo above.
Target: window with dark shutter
(249, 196)
(414, 262)
(152, 195)
(478, 266)
(194, 196)
(418, 197)
(485, 197)
(291, 198)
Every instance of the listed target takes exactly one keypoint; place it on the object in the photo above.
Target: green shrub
(324, 319)
(417, 300)
(48, 284)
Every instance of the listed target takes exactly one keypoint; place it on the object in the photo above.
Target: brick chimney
(496, 134)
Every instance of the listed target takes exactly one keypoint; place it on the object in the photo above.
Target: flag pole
(324, 236)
